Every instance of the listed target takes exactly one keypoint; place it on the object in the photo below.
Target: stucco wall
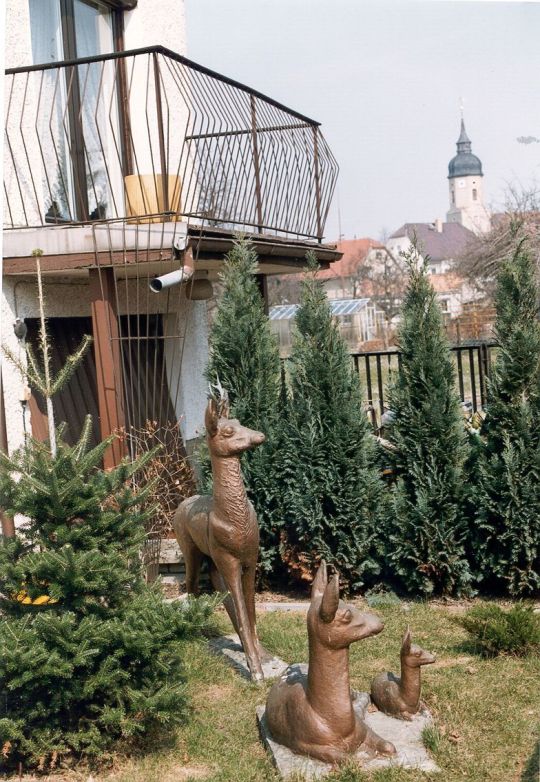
(154, 22)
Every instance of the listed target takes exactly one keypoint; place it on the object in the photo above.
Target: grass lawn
(487, 711)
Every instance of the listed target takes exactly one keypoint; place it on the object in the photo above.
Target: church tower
(465, 183)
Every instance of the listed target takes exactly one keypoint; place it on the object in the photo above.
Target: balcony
(123, 167)
(108, 148)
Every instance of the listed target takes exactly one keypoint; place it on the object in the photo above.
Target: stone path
(229, 646)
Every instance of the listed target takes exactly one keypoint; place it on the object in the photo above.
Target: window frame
(76, 135)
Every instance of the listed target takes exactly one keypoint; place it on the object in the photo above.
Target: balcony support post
(108, 358)
(317, 181)
(161, 135)
(8, 525)
(256, 164)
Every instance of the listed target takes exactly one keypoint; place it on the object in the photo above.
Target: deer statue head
(227, 436)
(333, 623)
(413, 656)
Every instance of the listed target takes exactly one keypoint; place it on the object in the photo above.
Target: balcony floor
(75, 248)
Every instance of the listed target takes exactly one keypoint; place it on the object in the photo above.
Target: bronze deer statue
(314, 715)
(400, 697)
(223, 526)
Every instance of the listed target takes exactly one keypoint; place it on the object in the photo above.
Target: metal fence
(148, 132)
(472, 362)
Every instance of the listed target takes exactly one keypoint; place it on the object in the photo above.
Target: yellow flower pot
(144, 196)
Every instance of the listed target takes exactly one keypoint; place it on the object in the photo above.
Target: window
(453, 196)
(76, 184)
(433, 270)
(474, 194)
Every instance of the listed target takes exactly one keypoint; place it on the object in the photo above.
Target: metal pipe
(172, 278)
(181, 275)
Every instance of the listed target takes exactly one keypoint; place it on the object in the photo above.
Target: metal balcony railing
(148, 134)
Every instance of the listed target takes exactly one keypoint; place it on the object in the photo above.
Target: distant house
(441, 244)
(346, 278)
(343, 279)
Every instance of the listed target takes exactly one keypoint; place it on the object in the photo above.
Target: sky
(386, 79)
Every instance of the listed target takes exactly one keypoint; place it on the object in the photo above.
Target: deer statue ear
(330, 601)
(320, 581)
(211, 417)
(224, 406)
(406, 643)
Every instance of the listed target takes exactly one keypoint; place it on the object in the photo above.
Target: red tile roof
(354, 254)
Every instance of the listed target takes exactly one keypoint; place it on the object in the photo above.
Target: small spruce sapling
(89, 654)
(40, 377)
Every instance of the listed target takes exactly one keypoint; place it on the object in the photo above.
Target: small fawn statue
(400, 697)
(314, 715)
(224, 527)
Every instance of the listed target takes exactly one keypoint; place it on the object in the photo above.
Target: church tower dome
(465, 179)
(464, 163)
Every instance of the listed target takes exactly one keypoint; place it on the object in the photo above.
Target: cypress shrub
(506, 542)
(426, 524)
(334, 495)
(244, 357)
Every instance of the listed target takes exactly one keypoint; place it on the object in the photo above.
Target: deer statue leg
(231, 571)
(220, 586)
(192, 561)
(248, 588)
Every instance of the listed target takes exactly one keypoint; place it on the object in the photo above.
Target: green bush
(335, 497)
(505, 538)
(89, 654)
(516, 631)
(426, 524)
(244, 357)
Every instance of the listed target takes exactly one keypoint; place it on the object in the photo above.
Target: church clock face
(461, 183)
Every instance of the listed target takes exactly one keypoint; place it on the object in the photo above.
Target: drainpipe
(181, 275)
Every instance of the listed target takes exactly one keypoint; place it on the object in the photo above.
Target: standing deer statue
(314, 714)
(400, 697)
(223, 526)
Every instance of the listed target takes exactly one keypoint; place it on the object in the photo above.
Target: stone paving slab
(406, 737)
(229, 646)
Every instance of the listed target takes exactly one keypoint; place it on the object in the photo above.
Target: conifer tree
(426, 525)
(89, 654)
(507, 539)
(334, 495)
(244, 357)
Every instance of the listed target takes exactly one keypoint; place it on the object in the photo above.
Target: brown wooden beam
(8, 525)
(108, 358)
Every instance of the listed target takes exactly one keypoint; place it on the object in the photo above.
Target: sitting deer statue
(223, 527)
(314, 715)
(400, 697)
